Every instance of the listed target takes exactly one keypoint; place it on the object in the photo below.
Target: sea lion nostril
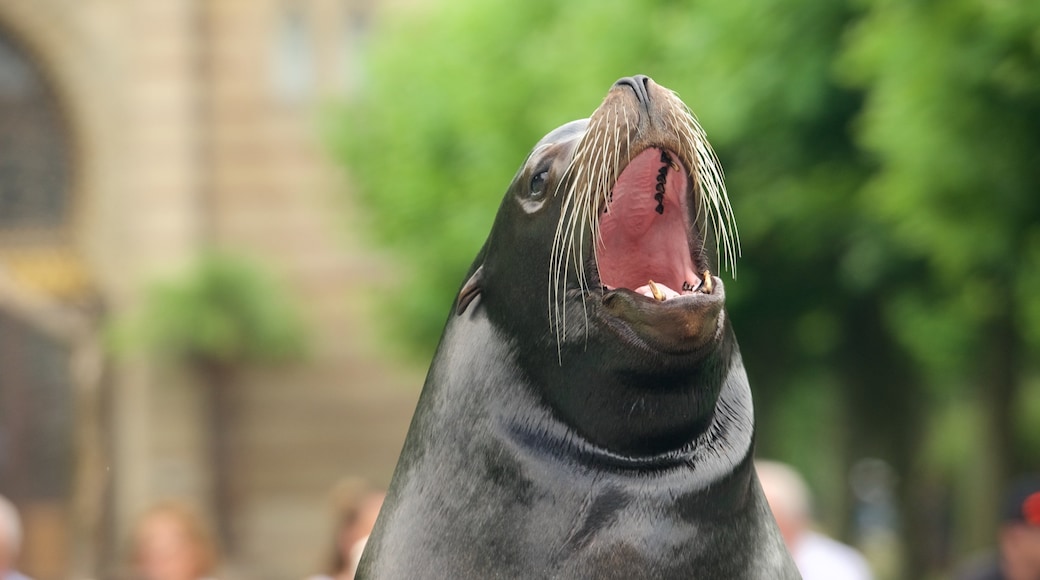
(638, 84)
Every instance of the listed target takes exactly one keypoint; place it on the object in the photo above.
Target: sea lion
(587, 413)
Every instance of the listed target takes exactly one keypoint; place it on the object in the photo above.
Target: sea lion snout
(640, 84)
(638, 198)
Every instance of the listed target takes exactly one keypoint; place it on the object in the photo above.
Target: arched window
(35, 158)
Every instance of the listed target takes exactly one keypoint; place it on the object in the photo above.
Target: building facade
(135, 135)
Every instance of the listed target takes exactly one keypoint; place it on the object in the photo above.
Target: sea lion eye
(537, 188)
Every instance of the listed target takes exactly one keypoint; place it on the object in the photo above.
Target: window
(293, 65)
(34, 149)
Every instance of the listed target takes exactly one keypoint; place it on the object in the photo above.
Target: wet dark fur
(539, 452)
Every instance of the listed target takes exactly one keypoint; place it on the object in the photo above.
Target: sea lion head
(596, 272)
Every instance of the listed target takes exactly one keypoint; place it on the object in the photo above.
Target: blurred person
(355, 506)
(816, 556)
(1017, 555)
(10, 540)
(172, 541)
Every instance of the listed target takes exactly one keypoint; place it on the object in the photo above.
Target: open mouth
(647, 243)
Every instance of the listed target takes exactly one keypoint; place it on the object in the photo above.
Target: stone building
(134, 134)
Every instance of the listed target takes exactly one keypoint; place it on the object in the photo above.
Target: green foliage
(222, 310)
(953, 115)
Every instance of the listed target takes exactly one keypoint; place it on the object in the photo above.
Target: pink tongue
(638, 244)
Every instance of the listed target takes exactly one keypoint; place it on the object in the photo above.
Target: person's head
(173, 542)
(10, 534)
(788, 498)
(355, 508)
(1020, 530)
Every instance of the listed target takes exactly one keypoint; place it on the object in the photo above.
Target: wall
(187, 136)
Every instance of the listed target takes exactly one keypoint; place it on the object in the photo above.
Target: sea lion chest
(491, 485)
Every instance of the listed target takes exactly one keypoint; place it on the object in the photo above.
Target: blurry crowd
(173, 540)
(1014, 556)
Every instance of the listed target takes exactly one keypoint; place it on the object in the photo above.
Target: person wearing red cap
(1018, 537)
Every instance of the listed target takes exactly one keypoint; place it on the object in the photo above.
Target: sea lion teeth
(658, 295)
(656, 290)
(708, 284)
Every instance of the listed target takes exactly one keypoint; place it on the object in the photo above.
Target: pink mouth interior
(643, 237)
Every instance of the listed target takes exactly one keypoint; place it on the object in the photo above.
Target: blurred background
(231, 230)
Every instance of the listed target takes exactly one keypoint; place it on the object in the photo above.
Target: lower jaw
(681, 325)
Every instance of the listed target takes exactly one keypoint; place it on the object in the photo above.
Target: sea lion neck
(632, 403)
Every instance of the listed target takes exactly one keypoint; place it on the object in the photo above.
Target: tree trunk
(887, 408)
(1000, 384)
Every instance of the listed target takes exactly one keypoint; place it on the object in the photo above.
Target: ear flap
(470, 290)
